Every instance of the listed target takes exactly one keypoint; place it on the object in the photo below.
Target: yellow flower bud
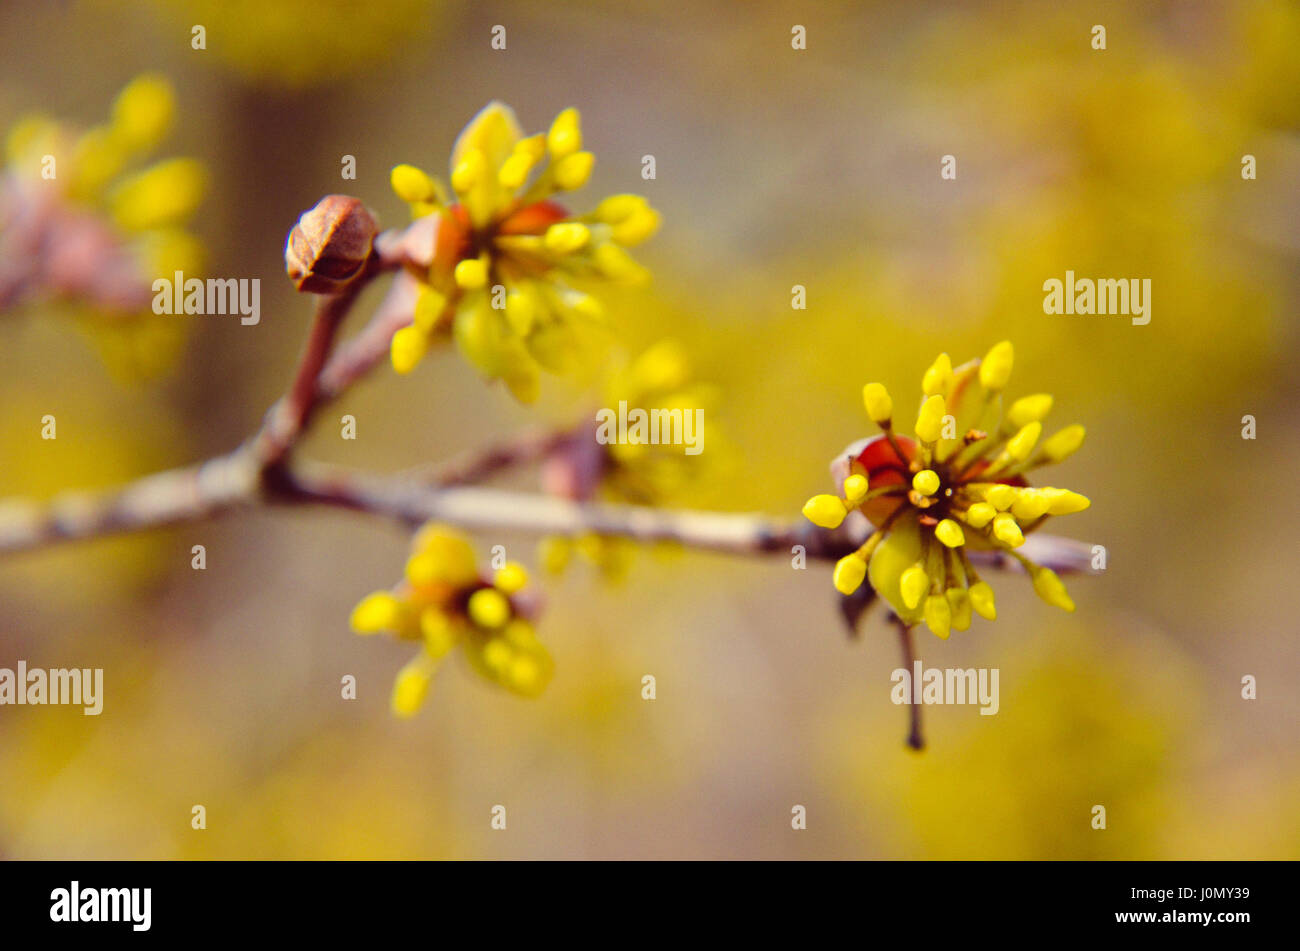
(565, 136)
(407, 348)
(636, 228)
(488, 608)
(1064, 443)
(1051, 589)
(950, 533)
(1064, 502)
(938, 378)
(572, 171)
(412, 184)
(849, 572)
(981, 599)
(511, 577)
(1030, 504)
(469, 172)
(959, 606)
(938, 615)
(1022, 443)
(926, 482)
(1000, 496)
(995, 368)
(566, 237)
(1029, 409)
(879, 406)
(376, 612)
(514, 170)
(980, 514)
(825, 511)
(929, 421)
(143, 112)
(439, 636)
(471, 274)
(412, 686)
(913, 583)
(1007, 531)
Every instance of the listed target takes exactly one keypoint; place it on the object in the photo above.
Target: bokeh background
(774, 167)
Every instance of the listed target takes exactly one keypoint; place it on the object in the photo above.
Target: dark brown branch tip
(330, 245)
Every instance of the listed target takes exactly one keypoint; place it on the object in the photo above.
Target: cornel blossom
(959, 486)
(509, 267)
(444, 603)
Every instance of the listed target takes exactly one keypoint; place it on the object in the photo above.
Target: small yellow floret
(824, 511)
(488, 608)
(938, 378)
(879, 406)
(1007, 531)
(1051, 589)
(1029, 409)
(995, 368)
(981, 599)
(929, 421)
(376, 612)
(913, 584)
(938, 615)
(950, 533)
(849, 572)
(926, 482)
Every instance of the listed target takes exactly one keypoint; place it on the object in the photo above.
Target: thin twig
(915, 739)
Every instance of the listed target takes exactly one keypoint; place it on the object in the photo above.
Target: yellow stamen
(412, 184)
(855, 487)
(566, 237)
(572, 171)
(565, 136)
(511, 577)
(407, 348)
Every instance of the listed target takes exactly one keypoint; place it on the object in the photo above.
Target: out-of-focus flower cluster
(959, 485)
(640, 473)
(444, 603)
(506, 268)
(84, 225)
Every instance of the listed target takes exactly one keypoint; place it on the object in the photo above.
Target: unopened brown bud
(330, 244)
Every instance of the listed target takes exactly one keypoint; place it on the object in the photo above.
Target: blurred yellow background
(775, 167)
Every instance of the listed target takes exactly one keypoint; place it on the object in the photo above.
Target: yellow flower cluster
(444, 603)
(645, 473)
(97, 194)
(94, 169)
(510, 261)
(956, 487)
